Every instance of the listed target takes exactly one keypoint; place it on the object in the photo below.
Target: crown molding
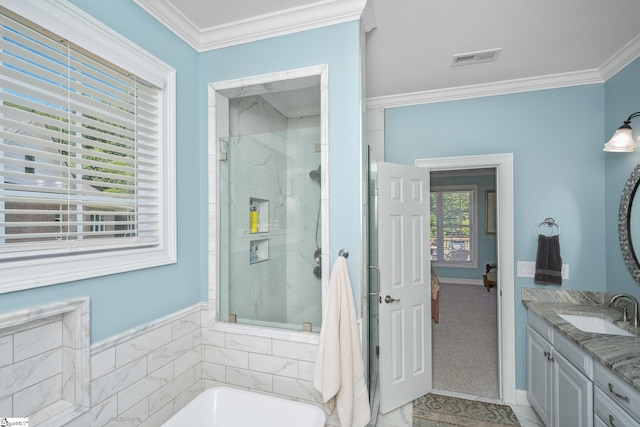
(553, 81)
(173, 19)
(315, 15)
(629, 53)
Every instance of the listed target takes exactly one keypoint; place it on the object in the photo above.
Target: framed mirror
(629, 224)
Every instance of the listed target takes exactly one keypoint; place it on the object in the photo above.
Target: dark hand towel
(548, 261)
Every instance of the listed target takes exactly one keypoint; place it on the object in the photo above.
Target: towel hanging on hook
(548, 222)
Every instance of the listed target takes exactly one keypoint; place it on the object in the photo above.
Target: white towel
(339, 373)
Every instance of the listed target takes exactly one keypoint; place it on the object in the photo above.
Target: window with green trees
(87, 149)
(453, 229)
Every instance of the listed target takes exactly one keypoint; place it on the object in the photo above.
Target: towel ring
(548, 222)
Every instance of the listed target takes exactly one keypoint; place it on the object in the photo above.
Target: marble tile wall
(269, 158)
(304, 289)
(44, 360)
(258, 163)
(273, 361)
(145, 375)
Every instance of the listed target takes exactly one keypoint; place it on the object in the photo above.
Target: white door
(405, 284)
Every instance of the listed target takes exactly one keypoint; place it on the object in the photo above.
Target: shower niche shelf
(258, 215)
(258, 251)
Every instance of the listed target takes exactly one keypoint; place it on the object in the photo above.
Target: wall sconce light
(622, 140)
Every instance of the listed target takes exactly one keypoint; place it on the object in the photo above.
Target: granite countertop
(621, 354)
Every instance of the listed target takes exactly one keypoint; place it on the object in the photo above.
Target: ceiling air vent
(475, 57)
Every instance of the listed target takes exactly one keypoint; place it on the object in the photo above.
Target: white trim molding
(505, 224)
(488, 89)
(80, 28)
(611, 67)
(621, 59)
(292, 20)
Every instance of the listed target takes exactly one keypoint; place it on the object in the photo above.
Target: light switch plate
(528, 269)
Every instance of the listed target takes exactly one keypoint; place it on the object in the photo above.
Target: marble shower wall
(270, 158)
(304, 289)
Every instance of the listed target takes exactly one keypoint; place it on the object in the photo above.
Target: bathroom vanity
(580, 378)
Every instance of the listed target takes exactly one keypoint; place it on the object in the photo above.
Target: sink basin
(595, 325)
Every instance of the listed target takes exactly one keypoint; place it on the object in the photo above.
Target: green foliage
(100, 183)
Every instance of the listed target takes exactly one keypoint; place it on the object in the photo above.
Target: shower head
(315, 175)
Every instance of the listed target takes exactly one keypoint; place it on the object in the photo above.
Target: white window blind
(453, 226)
(79, 169)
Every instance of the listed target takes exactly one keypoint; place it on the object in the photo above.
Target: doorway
(503, 165)
(463, 243)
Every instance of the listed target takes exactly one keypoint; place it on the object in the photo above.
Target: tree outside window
(453, 226)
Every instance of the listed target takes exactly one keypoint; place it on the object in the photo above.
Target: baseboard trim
(458, 281)
(521, 398)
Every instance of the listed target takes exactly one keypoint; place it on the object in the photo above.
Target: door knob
(388, 299)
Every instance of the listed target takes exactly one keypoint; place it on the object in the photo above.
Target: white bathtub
(230, 407)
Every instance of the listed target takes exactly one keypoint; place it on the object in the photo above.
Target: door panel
(405, 285)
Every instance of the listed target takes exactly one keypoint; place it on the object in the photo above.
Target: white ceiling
(545, 43)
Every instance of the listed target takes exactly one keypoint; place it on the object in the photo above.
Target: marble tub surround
(621, 354)
(44, 362)
(50, 373)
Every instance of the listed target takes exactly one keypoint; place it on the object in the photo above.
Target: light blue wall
(123, 301)
(338, 46)
(486, 242)
(556, 140)
(622, 98)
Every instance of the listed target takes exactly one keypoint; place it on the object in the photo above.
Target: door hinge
(378, 351)
(222, 155)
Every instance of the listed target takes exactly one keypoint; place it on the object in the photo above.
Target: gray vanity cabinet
(572, 395)
(615, 402)
(559, 385)
(539, 375)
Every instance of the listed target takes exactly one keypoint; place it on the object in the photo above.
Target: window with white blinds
(80, 149)
(453, 231)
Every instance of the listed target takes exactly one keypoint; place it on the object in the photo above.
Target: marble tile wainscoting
(142, 376)
(44, 362)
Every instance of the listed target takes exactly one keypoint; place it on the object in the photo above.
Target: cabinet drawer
(617, 390)
(609, 412)
(574, 354)
(540, 325)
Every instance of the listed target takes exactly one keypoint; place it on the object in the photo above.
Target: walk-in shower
(270, 254)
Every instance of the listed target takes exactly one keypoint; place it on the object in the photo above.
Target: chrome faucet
(633, 301)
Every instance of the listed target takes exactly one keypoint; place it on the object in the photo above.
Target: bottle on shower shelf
(253, 220)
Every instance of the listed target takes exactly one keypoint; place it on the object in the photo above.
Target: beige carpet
(434, 410)
(465, 342)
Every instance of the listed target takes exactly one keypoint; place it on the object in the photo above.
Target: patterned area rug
(433, 410)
